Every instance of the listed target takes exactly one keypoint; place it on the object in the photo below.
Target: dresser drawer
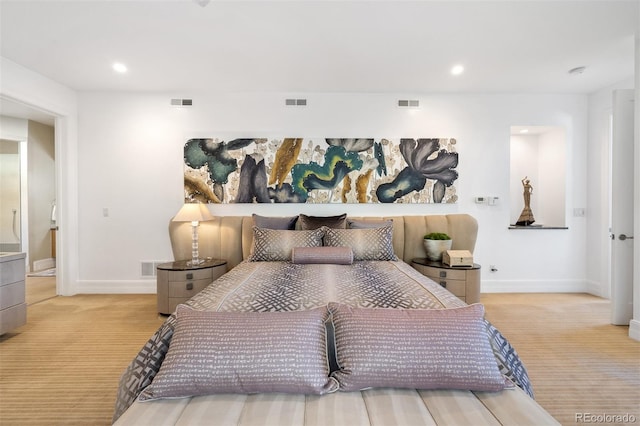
(11, 294)
(13, 317)
(11, 271)
(194, 275)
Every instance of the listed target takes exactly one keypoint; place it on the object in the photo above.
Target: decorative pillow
(244, 352)
(367, 244)
(272, 245)
(334, 255)
(366, 224)
(270, 222)
(414, 348)
(315, 222)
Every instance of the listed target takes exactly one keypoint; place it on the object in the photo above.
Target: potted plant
(436, 243)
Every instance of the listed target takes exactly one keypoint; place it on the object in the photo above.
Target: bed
(322, 325)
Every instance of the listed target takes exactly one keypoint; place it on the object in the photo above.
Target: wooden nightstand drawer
(196, 274)
(457, 287)
(188, 288)
(439, 273)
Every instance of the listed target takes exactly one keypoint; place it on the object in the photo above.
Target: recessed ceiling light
(524, 131)
(119, 67)
(457, 70)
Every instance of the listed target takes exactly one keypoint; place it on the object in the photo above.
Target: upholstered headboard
(231, 237)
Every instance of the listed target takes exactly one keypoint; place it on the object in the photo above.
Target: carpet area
(63, 366)
(578, 362)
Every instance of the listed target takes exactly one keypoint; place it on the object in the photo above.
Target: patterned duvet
(284, 286)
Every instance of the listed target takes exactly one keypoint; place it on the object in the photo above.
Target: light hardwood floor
(63, 367)
(38, 289)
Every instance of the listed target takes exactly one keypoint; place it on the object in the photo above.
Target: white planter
(435, 248)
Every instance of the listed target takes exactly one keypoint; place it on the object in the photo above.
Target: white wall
(130, 163)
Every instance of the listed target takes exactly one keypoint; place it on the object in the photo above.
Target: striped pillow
(244, 352)
(414, 348)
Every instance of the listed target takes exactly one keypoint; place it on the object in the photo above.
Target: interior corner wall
(130, 173)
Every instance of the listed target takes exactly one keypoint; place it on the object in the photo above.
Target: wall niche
(539, 154)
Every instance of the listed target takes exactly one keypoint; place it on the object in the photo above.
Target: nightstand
(462, 281)
(177, 281)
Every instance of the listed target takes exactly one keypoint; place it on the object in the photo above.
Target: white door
(622, 208)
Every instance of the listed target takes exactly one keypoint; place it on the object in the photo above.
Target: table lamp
(194, 213)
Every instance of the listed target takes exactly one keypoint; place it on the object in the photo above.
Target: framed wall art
(320, 170)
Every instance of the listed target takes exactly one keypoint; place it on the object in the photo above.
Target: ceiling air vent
(411, 103)
(181, 102)
(295, 102)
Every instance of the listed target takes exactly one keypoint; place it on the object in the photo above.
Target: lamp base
(195, 262)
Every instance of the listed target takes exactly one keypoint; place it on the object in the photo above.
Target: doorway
(28, 194)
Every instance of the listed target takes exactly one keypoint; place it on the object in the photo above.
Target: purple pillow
(271, 222)
(414, 348)
(244, 352)
(333, 255)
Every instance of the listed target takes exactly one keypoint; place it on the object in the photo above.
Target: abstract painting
(320, 170)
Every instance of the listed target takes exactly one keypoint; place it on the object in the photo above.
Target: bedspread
(284, 286)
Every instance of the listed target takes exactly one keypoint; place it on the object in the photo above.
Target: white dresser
(13, 309)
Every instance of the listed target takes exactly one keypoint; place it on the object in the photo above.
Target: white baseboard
(634, 329)
(116, 287)
(42, 264)
(596, 288)
(526, 286)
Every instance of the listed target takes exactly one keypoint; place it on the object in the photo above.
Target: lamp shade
(193, 213)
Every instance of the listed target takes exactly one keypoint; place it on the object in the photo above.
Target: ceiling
(324, 46)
